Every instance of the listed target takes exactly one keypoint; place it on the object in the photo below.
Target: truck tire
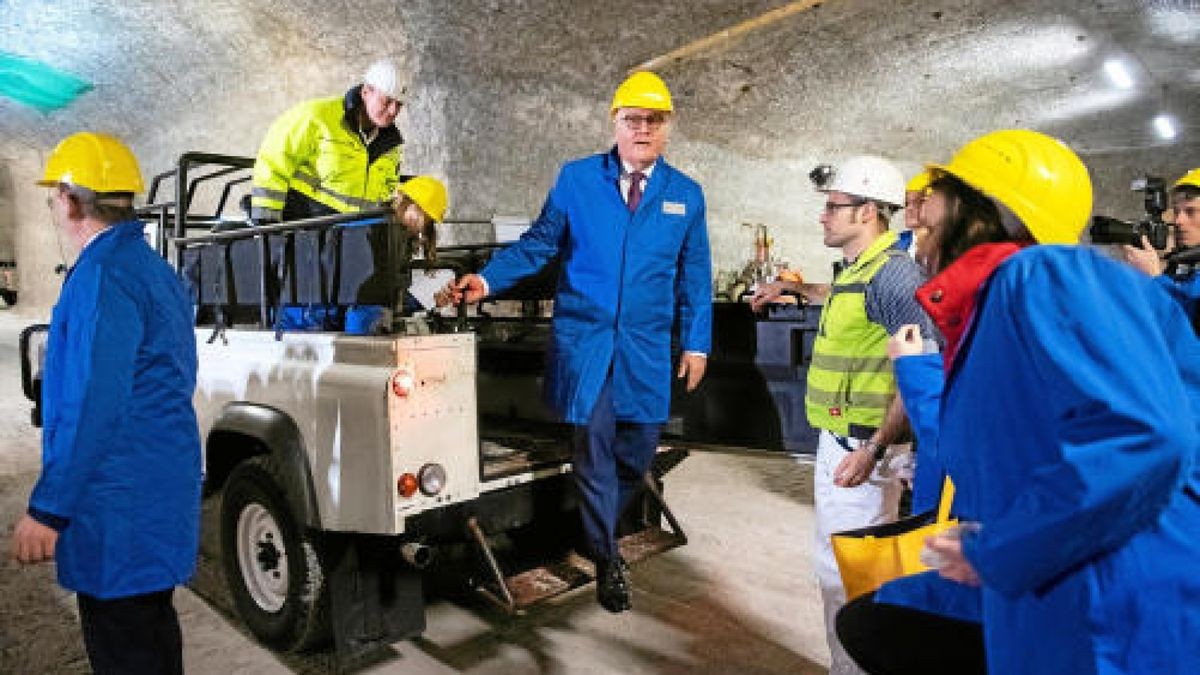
(273, 566)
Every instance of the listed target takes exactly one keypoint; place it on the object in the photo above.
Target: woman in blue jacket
(1068, 423)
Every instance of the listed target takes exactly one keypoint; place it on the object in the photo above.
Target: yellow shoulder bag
(871, 556)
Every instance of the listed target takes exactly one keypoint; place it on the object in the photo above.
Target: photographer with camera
(1177, 270)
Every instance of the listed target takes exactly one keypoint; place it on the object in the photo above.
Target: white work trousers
(837, 509)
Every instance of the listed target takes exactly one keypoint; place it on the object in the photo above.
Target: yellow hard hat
(643, 89)
(919, 182)
(1191, 178)
(1039, 179)
(98, 162)
(428, 193)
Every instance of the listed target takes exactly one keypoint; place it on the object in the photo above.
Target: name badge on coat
(674, 208)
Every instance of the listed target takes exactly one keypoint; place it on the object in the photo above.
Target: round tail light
(406, 485)
(432, 478)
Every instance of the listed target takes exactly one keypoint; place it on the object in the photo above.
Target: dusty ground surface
(739, 598)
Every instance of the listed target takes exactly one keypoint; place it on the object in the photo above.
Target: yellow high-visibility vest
(850, 379)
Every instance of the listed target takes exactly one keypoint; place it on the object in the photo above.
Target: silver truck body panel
(338, 389)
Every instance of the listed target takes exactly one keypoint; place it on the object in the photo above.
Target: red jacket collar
(950, 296)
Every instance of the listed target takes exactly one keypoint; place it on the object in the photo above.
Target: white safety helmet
(867, 176)
(384, 76)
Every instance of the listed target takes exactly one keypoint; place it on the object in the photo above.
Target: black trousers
(132, 636)
(888, 639)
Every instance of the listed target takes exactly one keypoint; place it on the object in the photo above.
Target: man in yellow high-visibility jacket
(332, 155)
(851, 391)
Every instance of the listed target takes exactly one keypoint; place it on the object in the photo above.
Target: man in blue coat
(117, 504)
(631, 235)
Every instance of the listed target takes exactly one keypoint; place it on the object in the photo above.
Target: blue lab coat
(624, 279)
(121, 448)
(920, 379)
(1069, 425)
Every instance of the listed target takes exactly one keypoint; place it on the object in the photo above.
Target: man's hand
(765, 294)
(470, 286)
(691, 366)
(855, 468)
(33, 542)
(954, 564)
(907, 341)
(1145, 258)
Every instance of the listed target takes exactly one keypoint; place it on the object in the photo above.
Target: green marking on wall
(38, 85)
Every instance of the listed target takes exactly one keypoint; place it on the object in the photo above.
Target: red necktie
(635, 190)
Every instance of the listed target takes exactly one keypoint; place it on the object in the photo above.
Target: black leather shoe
(612, 585)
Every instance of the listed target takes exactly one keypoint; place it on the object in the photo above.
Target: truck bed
(510, 447)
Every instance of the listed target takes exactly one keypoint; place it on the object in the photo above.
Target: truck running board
(514, 593)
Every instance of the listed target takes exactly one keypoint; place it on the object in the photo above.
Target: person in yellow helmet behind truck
(420, 204)
(117, 504)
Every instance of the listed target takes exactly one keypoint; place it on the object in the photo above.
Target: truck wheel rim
(262, 557)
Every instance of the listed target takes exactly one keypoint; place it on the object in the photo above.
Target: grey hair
(107, 207)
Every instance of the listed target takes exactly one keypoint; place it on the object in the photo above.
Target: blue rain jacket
(920, 379)
(120, 445)
(1069, 424)
(624, 278)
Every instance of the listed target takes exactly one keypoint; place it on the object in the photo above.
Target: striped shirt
(891, 301)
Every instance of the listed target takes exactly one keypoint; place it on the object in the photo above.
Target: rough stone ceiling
(903, 80)
(911, 78)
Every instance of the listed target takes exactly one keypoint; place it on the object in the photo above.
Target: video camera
(1106, 230)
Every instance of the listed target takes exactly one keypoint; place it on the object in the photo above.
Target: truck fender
(244, 430)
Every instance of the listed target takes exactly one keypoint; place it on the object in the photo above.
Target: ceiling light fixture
(1165, 127)
(1118, 73)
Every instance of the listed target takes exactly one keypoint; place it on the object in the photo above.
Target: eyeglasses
(52, 195)
(830, 207)
(636, 122)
